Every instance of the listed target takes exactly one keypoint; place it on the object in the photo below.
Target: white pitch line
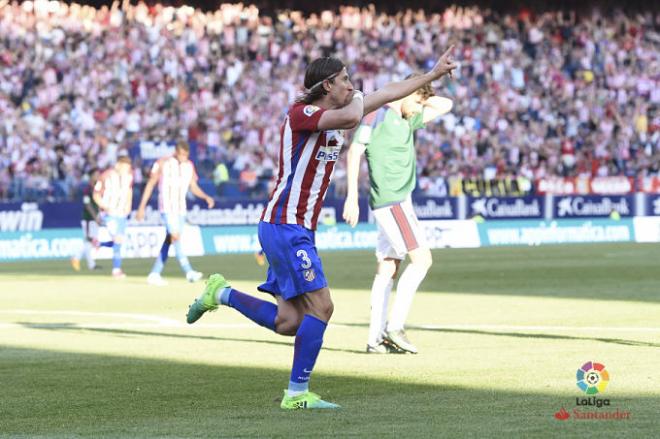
(539, 328)
(164, 323)
(147, 317)
(178, 325)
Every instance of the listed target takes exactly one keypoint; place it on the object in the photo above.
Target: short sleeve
(369, 124)
(305, 117)
(363, 134)
(417, 121)
(98, 186)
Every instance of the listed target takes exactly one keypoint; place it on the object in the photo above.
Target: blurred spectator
(60, 182)
(220, 176)
(248, 180)
(537, 95)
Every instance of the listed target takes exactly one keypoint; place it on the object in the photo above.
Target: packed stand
(535, 95)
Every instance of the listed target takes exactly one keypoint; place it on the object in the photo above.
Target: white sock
(81, 252)
(91, 263)
(405, 291)
(380, 294)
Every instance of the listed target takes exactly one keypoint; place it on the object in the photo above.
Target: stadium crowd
(536, 94)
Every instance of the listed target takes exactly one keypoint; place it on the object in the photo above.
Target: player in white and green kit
(387, 137)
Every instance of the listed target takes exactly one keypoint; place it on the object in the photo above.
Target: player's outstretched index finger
(448, 51)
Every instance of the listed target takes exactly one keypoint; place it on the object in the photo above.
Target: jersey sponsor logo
(310, 109)
(328, 153)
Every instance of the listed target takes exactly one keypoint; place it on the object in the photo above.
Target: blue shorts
(174, 222)
(295, 267)
(116, 225)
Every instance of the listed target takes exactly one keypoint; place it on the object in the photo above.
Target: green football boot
(206, 302)
(307, 400)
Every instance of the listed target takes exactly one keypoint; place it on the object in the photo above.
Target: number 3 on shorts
(306, 262)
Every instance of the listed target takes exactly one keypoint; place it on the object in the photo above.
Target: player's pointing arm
(397, 90)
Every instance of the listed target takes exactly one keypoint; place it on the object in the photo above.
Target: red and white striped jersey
(174, 180)
(115, 191)
(307, 161)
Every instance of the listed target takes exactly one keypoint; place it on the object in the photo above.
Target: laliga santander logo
(592, 378)
(562, 414)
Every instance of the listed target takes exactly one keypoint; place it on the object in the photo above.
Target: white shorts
(399, 231)
(174, 222)
(116, 225)
(90, 229)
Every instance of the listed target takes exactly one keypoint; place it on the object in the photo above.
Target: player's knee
(324, 310)
(388, 268)
(329, 310)
(118, 239)
(423, 259)
(286, 328)
(174, 237)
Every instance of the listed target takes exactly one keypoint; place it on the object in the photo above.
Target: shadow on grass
(523, 335)
(71, 327)
(66, 394)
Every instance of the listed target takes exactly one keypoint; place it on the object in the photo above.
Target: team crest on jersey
(310, 109)
(334, 138)
(309, 275)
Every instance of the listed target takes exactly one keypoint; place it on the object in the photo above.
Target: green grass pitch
(501, 333)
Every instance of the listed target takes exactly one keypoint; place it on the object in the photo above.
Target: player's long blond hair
(426, 91)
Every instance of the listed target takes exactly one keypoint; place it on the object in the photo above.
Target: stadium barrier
(647, 229)
(42, 231)
(526, 232)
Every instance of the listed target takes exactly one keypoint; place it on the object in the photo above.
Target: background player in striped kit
(113, 193)
(309, 148)
(174, 175)
(387, 137)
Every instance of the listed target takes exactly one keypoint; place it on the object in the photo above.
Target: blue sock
(162, 257)
(259, 311)
(107, 243)
(309, 339)
(116, 255)
(183, 259)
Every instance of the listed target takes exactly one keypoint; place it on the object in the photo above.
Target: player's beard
(348, 99)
